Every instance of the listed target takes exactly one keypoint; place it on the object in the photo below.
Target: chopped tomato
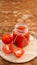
(18, 52)
(21, 41)
(7, 49)
(7, 38)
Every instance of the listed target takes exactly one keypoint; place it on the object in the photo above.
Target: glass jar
(21, 35)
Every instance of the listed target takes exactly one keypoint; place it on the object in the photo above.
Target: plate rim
(18, 62)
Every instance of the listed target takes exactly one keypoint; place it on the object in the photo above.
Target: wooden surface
(13, 11)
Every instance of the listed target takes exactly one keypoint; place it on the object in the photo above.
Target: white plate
(30, 52)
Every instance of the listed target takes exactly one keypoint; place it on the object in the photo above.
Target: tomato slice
(18, 52)
(7, 38)
(7, 49)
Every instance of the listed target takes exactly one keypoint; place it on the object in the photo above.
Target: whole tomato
(7, 38)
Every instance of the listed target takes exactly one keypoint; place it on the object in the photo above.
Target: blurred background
(18, 11)
(13, 11)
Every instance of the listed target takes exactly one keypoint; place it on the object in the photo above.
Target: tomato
(7, 38)
(21, 41)
(7, 49)
(18, 52)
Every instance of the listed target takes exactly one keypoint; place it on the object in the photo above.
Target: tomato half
(18, 52)
(7, 49)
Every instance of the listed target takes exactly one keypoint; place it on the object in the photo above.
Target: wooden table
(13, 11)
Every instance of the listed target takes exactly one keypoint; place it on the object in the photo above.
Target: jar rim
(21, 24)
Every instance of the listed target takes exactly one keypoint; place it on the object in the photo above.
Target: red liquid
(22, 28)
